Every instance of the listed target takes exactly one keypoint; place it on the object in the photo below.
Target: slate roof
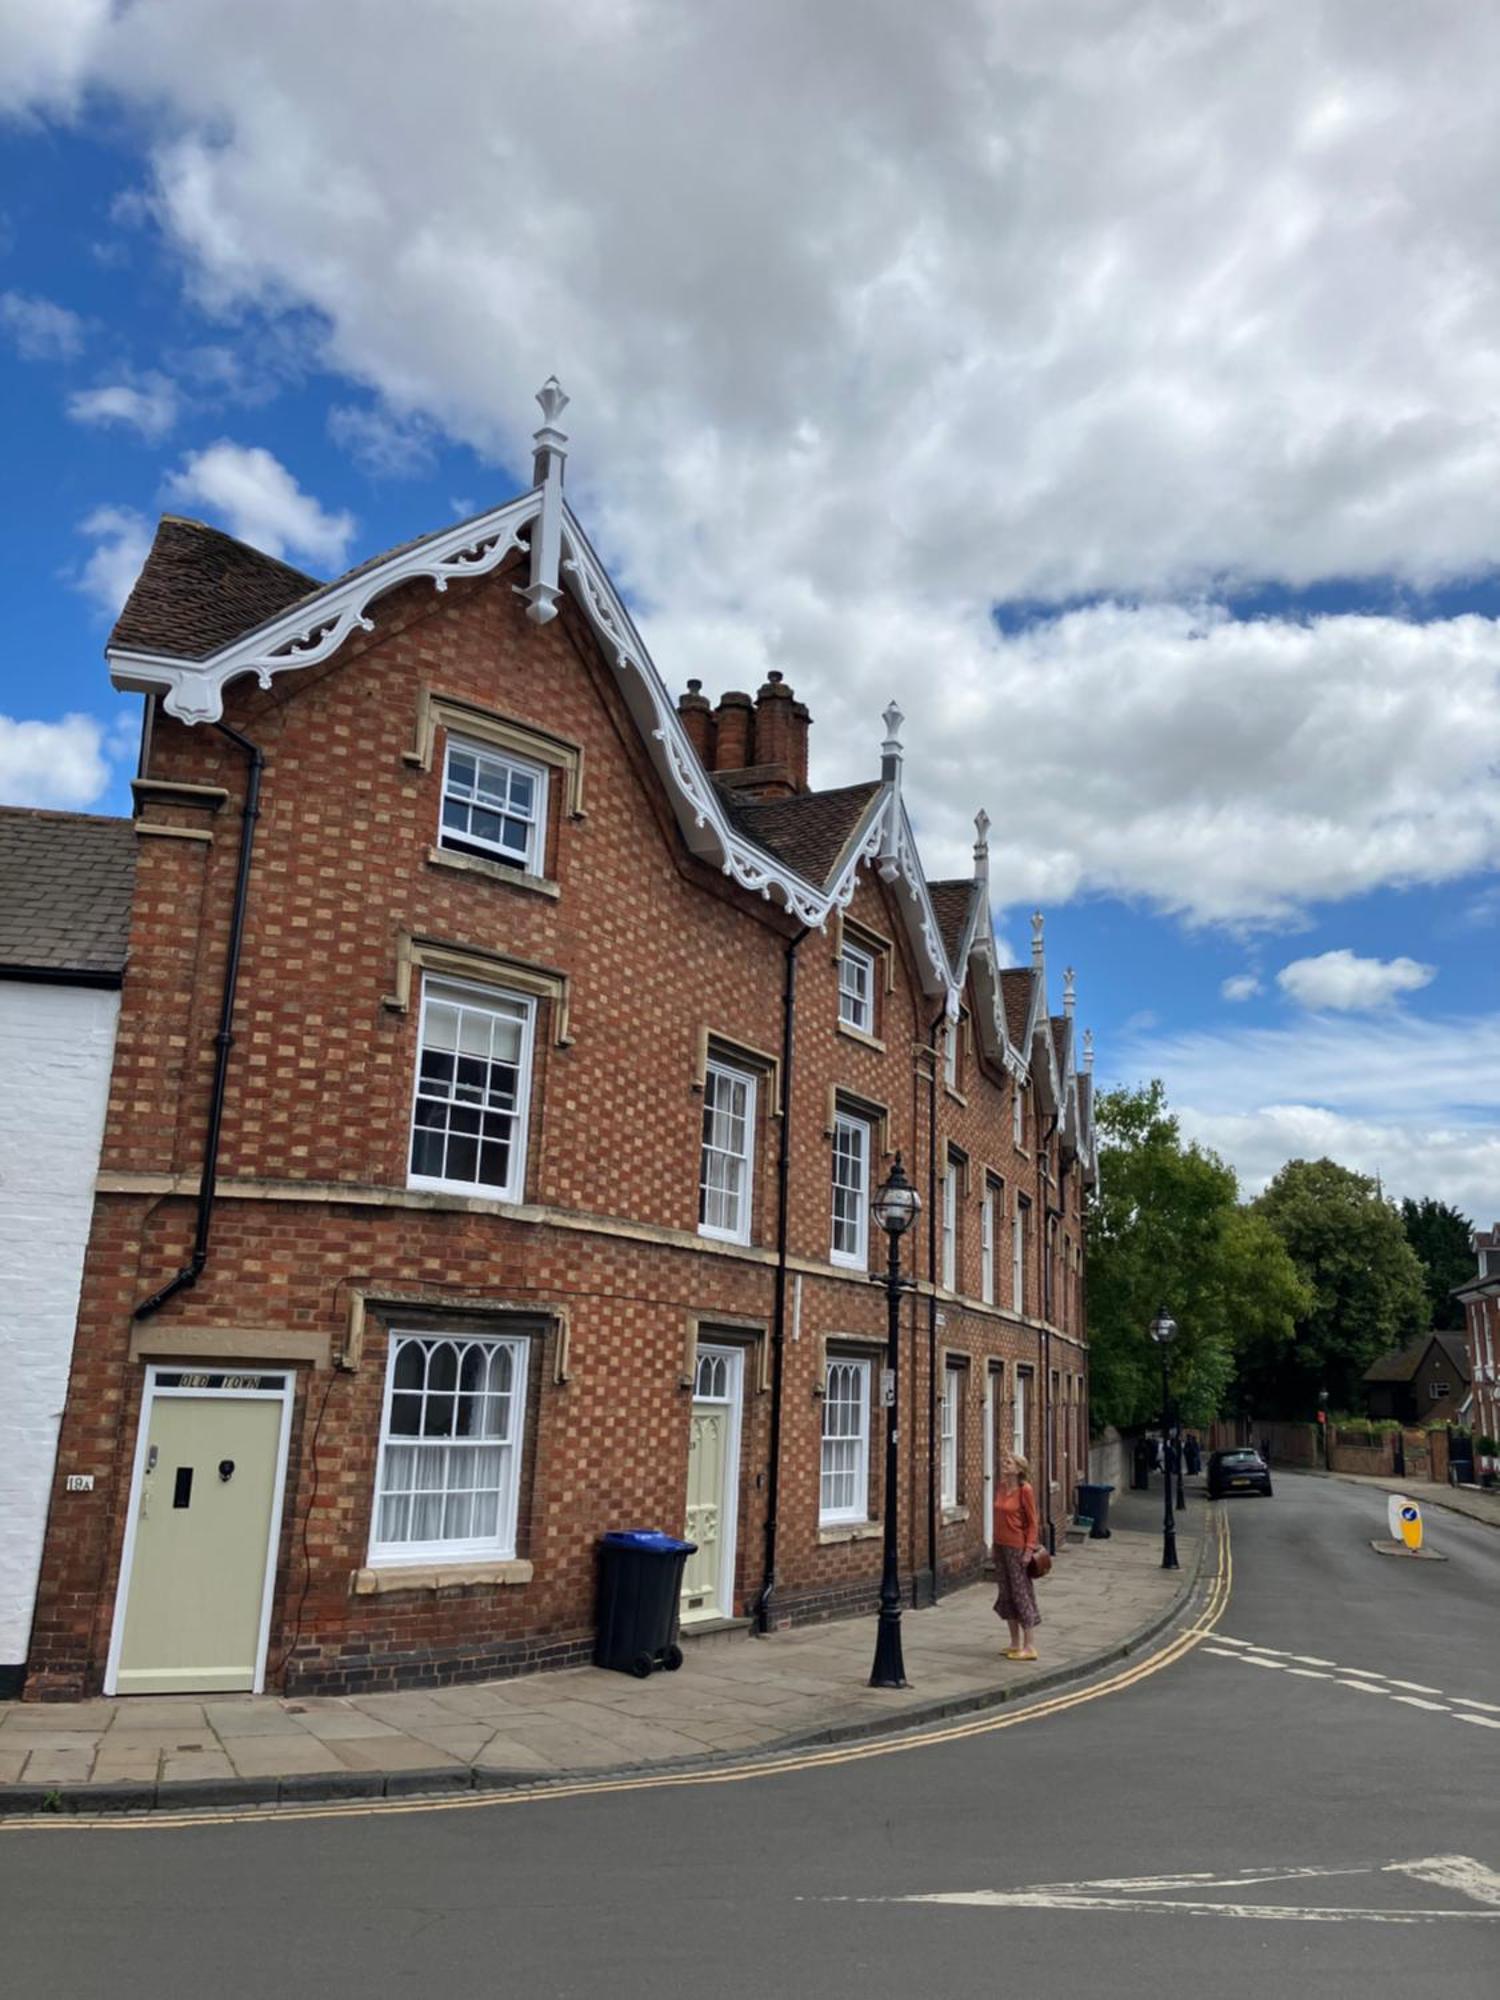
(65, 886)
(1059, 1040)
(1015, 985)
(951, 903)
(1403, 1364)
(199, 589)
(808, 831)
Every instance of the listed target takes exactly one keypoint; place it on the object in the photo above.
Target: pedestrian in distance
(1015, 1533)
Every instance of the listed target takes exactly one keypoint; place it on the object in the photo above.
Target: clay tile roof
(1085, 1097)
(200, 589)
(951, 902)
(65, 887)
(809, 831)
(1403, 1364)
(1060, 1040)
(1015, 984)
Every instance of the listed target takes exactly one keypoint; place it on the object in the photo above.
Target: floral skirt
(1014, 1596)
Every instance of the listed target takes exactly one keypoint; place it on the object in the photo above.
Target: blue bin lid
(648, 1538)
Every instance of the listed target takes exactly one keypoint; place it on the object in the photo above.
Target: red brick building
(507, 1060)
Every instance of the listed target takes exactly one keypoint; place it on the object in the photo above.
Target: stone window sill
(850, 1531)
(952, 1515)
(496, 871)
(435, 1576)
(859, 1035)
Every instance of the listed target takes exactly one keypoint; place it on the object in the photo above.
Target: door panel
(707, 1463)
(197, 1577)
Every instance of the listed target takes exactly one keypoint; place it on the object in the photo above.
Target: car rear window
(1240, 1458)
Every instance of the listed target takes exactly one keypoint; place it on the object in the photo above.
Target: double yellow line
(1176, 1648)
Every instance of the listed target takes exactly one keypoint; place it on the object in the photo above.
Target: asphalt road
(1225, 1799)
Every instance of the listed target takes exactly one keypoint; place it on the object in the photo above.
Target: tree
(1440, 1237)
(1166, 1227)
(1366, 1281)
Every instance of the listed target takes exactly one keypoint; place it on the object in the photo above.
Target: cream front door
(205, 1510)
(712, 1486)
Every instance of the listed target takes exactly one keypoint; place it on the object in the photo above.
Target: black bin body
(640, 1591)
(1094, 1502)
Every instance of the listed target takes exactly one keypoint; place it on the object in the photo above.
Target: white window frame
(1021, 1413)
(987, 1245)
(857, 1259)
(1017, 1114)
(499, 1547)
(950, 1056)
(492, 1000)
(1018, 1254)
(532, 861)
(858, 1372)
(857, 997)
(953, 1388)
(717, 1073)
(951, 1173)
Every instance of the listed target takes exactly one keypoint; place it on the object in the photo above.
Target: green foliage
(1440, 1236)
(1368, 1293)
(1166, 1227)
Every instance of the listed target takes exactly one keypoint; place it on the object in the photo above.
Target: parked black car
(1242, 1471)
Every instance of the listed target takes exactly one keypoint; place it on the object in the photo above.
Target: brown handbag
(1037, 1564)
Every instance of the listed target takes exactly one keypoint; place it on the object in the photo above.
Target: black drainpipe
(932, 1304)
(224, 1039)
(778, 1307)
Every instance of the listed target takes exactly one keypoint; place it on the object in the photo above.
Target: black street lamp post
(1164, 1332)
(896, 1208)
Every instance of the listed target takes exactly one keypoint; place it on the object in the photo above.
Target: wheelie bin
(640, 1590)
(1094, 1501)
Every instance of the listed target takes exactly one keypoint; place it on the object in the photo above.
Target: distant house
(1424, 1382)
(1481, 1303)
(65, 890)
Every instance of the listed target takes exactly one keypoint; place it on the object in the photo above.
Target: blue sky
(1140, 442)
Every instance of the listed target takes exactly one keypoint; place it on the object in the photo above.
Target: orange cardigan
(1015, 1518)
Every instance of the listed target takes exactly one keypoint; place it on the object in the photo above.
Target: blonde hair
(1020, 1471)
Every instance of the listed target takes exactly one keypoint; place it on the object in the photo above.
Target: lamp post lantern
(1164, 1332)
(897, 1206)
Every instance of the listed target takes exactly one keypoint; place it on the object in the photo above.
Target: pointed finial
(893, 719)
(1038, 922)
(1070, 992)
(982, 852)
(1088, 1050)
(981, 830)
(890, 774)
(553, 400)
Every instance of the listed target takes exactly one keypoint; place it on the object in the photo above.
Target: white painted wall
(56, 1047)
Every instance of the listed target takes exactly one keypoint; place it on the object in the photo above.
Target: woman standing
(1015, 1543)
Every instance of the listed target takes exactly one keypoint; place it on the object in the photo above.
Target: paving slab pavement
(731, 1697)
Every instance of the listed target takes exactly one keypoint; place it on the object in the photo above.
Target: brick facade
(642, 956)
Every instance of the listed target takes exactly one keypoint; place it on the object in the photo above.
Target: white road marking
(1456, 1872)
(1453, 1871)
(1364, 1680)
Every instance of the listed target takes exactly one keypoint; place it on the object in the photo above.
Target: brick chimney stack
(734, 732)
(698, 721)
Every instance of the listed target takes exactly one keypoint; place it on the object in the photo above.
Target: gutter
(224, 1039)
(778, 1308)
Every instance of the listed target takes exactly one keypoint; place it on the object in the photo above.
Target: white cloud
(1061, 308)
(150, 408)
(41, 329)
(58, 764)
(1339, 979)
(1241, 986)
(45, 50)
(381, 443)
(1417, 1101)
(260, 502)
(122, 540)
